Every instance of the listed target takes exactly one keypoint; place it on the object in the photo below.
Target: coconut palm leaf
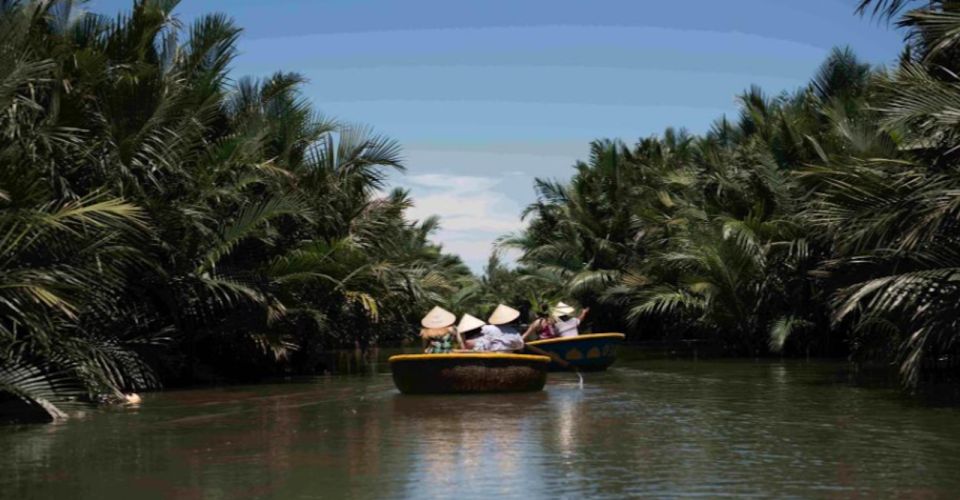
(47, 388)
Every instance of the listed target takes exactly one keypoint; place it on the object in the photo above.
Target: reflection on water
(467, 440)
(650, 428)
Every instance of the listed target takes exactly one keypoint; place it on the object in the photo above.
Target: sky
(487, 95)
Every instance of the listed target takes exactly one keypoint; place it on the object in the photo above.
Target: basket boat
(468, 372)
(588, 352)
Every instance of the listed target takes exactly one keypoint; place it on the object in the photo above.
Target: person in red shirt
(544, 327)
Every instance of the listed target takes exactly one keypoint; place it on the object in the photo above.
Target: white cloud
(473, 212)
(480, 211)
(479, 190)
(473, 253)
(454, 183)
(464, 203)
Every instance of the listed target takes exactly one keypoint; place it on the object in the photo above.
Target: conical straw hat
(468, 323)
(503, 315)
(438, 317)
(562, 309)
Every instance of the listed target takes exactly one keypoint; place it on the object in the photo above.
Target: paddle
(556, 358)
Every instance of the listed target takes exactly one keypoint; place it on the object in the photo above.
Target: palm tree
(890, 208)
(159, 221)
(706, 233)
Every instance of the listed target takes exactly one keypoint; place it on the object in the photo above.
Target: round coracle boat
(468, 372)
(587, 352)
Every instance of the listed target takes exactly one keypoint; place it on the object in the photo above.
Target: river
(644, 428)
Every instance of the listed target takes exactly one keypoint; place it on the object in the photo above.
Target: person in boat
(502, 334)
(438, 333)
(468, 331)
(544, 327)
(566, 324)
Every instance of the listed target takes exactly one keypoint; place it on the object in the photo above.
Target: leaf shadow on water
(880, 379)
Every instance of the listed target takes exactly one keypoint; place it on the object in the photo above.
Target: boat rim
(469, 355)
(586, 336)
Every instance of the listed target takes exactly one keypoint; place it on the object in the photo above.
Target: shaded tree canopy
(161, 220)
(822, 221)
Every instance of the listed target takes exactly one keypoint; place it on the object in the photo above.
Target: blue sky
(486, 95)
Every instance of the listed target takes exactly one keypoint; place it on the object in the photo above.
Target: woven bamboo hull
(589, 352)
(468, 373)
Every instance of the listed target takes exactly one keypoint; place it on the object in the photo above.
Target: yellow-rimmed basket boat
(468, 372)
(587, 352)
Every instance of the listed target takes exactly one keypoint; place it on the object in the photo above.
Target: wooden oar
(556, 357)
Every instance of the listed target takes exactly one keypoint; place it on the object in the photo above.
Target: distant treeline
(823, 222)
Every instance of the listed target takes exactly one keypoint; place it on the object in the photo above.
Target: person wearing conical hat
(438, 333)
(502, 333)
(469, 327)
(566, 325)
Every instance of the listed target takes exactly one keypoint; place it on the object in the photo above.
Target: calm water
(648, 428)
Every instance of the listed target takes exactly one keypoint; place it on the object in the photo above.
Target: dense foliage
(161, 221)
(821, 222)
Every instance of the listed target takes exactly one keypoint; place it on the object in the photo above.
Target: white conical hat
(468, 322)
(503, 315)
(438, 317)
(562, 309)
